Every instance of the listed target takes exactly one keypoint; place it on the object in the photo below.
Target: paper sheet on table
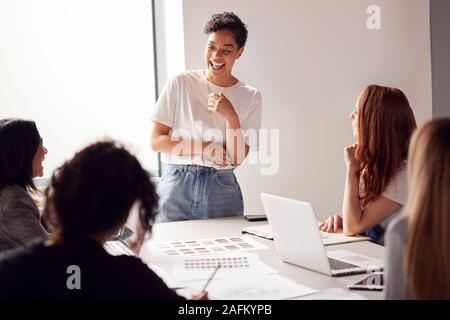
(333, 294)
(201, 267)
(171, 282)
(268, 287)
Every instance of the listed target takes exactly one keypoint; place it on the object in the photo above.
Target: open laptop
(119, 244)
(298, 240)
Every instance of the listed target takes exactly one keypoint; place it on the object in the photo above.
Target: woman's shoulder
(397, 227)
(186, 79)
(395, 241)
(137, 269)
(250, 94)
(250, 90)
(255, 93)
(17, 258)
(397, 189)
(188, 75)
(400, 175)
(145, 278)
(14, 196)
(402, 170)
(13, 190)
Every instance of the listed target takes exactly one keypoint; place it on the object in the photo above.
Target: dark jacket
(19, 219)
(81, 270)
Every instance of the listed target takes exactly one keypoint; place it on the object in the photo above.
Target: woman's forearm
(178, 147)
(351, 208)
(235, 142)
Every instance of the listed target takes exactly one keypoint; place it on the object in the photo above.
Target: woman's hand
(201, 296)
(216, 153)
(332, 224)
(349, 157)
(219, 104)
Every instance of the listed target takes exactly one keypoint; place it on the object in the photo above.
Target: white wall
(310, 59)
(440, 56)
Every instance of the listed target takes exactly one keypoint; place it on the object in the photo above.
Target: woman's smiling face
(38, 168)
(220, 53)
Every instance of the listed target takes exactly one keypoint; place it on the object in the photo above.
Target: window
(83, 70)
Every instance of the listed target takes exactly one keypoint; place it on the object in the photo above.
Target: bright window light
(82, 69)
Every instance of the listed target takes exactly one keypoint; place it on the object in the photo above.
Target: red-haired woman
(375, 185)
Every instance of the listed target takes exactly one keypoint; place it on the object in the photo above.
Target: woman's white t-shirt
(183, 106)
(396, 190)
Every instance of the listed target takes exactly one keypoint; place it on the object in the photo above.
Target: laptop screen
(129, 230)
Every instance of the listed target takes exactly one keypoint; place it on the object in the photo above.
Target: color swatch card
(211, 263)
(221, 245)
(231, 264)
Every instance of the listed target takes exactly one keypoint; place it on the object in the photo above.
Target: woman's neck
(221, 81)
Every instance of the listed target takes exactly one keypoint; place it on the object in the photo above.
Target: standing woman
(21, 155)
(205, 122)
(375, 185)
(418, 241)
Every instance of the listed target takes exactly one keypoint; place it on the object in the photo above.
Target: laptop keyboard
(340, 265)
(117, 248)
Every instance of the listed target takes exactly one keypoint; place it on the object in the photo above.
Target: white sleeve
(252, 123)
(166, 105)
(397, 190)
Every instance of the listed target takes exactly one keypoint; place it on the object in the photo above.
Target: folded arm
(356, 220)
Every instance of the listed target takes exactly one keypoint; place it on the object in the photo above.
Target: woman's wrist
(233, 121)
(352, 170)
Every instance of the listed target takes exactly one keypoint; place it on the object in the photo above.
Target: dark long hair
(385, 125)
(19, 142)
(95, 190)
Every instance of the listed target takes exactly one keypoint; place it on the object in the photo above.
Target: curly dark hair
(228, 21)
(95, 190)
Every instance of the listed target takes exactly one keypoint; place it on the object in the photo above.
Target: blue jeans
(376, 234)
(191, 192)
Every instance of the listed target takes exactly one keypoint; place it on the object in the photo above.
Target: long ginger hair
(385, 125)
(427, 257)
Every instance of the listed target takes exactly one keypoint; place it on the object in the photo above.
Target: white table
(222, 227)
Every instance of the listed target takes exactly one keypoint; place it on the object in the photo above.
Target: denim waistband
(197, 168)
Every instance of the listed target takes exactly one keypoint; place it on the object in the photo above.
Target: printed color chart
(212, 263)
(206, 246)
(233, 264)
